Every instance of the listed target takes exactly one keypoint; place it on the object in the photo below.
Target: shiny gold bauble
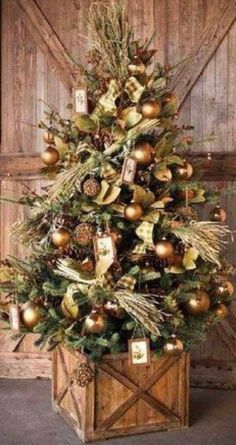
(50, 155)
(95, 323)
(184, 171)
(61, 237)
(133, 212)
(30, 314)
(173, 346)
(116, 235)
(136, 67)
(164, 175)
(224, 290)
(175, 260)
(112, 309)
(221, 311)
(198, 304)
(218, 214)
(164, 249)
(144, 153)
(151, 109)
(48, 137)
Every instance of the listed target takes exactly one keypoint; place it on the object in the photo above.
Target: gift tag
(139, 352)
(14, 316)
(104, 248)
(128, 170)
(81, 100)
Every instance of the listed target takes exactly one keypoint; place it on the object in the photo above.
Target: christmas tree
(117, 249)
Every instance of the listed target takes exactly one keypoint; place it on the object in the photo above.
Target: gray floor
(26, 418)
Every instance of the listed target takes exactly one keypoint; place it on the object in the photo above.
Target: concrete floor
(26, 418)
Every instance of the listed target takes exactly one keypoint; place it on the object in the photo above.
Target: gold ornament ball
(48, 137)
(218, 214)
(133, 212)
(224, 290)
(95, 323)
(116, 235)
(136, 67)
(164, 175)
(173, 346)
(112, 309)
(164, 249)
(151, 109)
(50, 155)
(184, 171)
(61, 237)
(221, 311)
(198, 304)
(30, 314)
(144, 153)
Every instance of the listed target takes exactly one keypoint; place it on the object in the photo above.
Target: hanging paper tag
(128, 170)
(104, 248)
(14, 315)
(139, 352)
(81, 100)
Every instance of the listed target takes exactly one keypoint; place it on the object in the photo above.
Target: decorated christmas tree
(117, 248)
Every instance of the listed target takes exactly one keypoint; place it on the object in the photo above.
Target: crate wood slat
(122, 399)
(23, 365)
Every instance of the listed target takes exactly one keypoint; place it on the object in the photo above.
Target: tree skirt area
(27, 419)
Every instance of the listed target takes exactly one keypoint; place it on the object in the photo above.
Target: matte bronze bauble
(163, 175)
(133, 212)
(198, 304)
(116, 235)
(218, 214)
(30, 314)
(150, 109)
(184, 171)
(221, 311)
(48, 137)
(61, 237)
(136, 67)
(224, 290)
(50, 155)
(173, 346)
(95, 323)
(164, 249)
(112, 309)
(175, 260)
(144, 153)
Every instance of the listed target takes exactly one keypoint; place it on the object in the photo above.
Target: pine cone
(91, 187)
(179, 249)
(84, 234)
(51, 301)
(158, 263)
(116, 270)
(74, 252)
(187, 213)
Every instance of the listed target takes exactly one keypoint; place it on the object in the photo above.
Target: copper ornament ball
(173, 346)
(218, 214)
(136, 67)
(184, 171)
(95, 323)
(221, 311)
(133, 212)
(48, 137)
(198, 304)
(30, 314)
(61, 237)
(112, 309)
(169, 98)
(150, 109)
(50, 155)
(164, 175)
(224, 290)
(144, 153)
(164, 249)
(175, 260)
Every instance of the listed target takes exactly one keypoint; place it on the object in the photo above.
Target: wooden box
(122, 399)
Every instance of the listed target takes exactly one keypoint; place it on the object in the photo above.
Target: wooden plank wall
(27, 77)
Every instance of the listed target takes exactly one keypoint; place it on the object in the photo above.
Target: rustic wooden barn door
(37, 37)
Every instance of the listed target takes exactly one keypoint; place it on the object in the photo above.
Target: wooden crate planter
(122, 399)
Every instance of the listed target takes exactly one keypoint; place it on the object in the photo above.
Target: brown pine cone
(179, 249)
(159, 263)
(187, 213)
(84, 234)
(74, 252)
(116, 270)
(91, 187)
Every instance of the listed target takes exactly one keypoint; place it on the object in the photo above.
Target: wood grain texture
(22, 365)
(122, 399)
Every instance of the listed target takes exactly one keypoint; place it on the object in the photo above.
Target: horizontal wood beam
(47, 40)
(25, 365)
(27, 166)
(212, 36)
